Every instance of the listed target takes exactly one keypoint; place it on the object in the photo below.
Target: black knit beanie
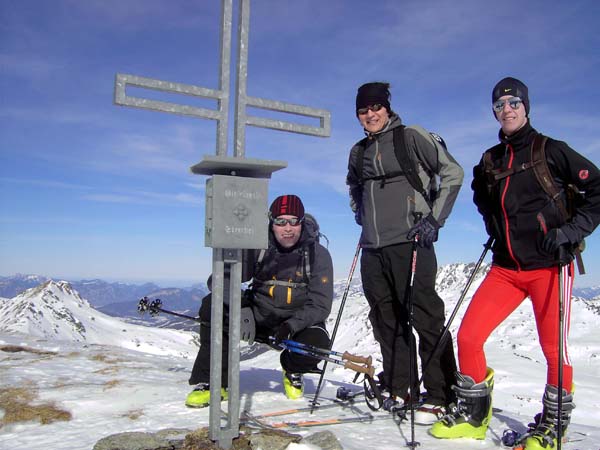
(514, 87)
(370, 94)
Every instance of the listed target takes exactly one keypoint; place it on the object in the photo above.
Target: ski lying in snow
(249, 419)
(344, 400)
(285, 412)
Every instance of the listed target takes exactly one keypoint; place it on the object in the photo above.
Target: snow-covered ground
(109, 386)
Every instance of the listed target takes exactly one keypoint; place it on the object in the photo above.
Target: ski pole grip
(370, 370)
(357, 359)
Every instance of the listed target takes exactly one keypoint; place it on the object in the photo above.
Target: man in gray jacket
(393, 210)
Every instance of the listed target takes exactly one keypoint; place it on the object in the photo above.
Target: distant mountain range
(54, 310)
(121, 299)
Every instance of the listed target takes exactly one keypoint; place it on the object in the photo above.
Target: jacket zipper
(375, 166)
(505, 215)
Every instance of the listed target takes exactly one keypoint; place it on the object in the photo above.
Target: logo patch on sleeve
(584, 174)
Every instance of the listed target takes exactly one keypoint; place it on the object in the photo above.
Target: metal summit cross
(236, 193)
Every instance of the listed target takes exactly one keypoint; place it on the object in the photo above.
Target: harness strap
(288, 284)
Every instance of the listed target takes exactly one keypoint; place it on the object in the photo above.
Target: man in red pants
(532, 241)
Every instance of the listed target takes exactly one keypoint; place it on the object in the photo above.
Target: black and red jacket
(518, 212)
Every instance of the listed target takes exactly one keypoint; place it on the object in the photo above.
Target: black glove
(356, 207)
(554, 239)
(283, 333)
(427, 229)
(357, 217)
(247, 325)
(491, 226)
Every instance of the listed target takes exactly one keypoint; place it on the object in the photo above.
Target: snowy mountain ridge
(56, 311)
(144, 389)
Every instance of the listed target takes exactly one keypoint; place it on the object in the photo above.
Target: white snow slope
(117, 377)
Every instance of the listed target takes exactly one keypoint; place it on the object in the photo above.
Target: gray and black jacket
(387, 207)
(293, 285)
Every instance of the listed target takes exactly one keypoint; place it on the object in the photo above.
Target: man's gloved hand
(557, 244)
(553, 240)
(357, 217)
(356, 210)
(491, 226)
(283, 333)
(427, 229)
(247, 325)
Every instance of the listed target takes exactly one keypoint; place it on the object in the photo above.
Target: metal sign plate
(236, 212)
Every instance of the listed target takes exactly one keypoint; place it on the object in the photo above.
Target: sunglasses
(362, 111)
(513, 102)
(281, 222)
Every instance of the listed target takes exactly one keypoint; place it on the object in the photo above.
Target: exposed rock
(272, 439)
(325, 440)
(169, 439)
(183, 439)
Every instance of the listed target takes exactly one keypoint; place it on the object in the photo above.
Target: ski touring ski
(345, 400)
(249, 419)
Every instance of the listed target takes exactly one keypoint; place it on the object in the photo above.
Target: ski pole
(411, 342)
(561, 300)
(368, 360)
(368, 370)
(445, 332)
(155, 307)
(337, 322)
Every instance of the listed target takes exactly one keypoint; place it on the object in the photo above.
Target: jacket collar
(393, 122)
(521, 139)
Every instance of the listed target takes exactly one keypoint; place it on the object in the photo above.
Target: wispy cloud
(147, 198)
(27, 66)
(45, 183)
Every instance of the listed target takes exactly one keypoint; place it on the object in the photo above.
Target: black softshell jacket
(517, 211)
(308, 301)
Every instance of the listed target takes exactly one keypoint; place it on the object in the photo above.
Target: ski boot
(293, 385)
(471, 415)
(543, 433)
(200, 396)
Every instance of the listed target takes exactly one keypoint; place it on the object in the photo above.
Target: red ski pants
(500, 293)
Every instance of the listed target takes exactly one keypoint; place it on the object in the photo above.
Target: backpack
(539, 163)
(311, 227)
(407, 164)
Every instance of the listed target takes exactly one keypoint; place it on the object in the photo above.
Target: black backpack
(407, 164)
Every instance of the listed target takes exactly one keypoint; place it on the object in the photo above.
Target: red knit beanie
(289, 205)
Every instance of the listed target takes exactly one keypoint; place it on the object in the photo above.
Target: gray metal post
(236, 200)
(216, 339)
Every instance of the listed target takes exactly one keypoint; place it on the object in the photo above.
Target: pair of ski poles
(442, 336)
(360, 364)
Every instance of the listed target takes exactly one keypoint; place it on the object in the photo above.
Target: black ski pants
(385, 276)
(290, 362)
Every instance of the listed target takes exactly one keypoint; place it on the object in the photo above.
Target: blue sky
(89, 189)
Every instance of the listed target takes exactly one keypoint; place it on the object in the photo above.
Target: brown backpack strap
(543, 175)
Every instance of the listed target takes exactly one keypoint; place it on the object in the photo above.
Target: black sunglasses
(376, 107)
